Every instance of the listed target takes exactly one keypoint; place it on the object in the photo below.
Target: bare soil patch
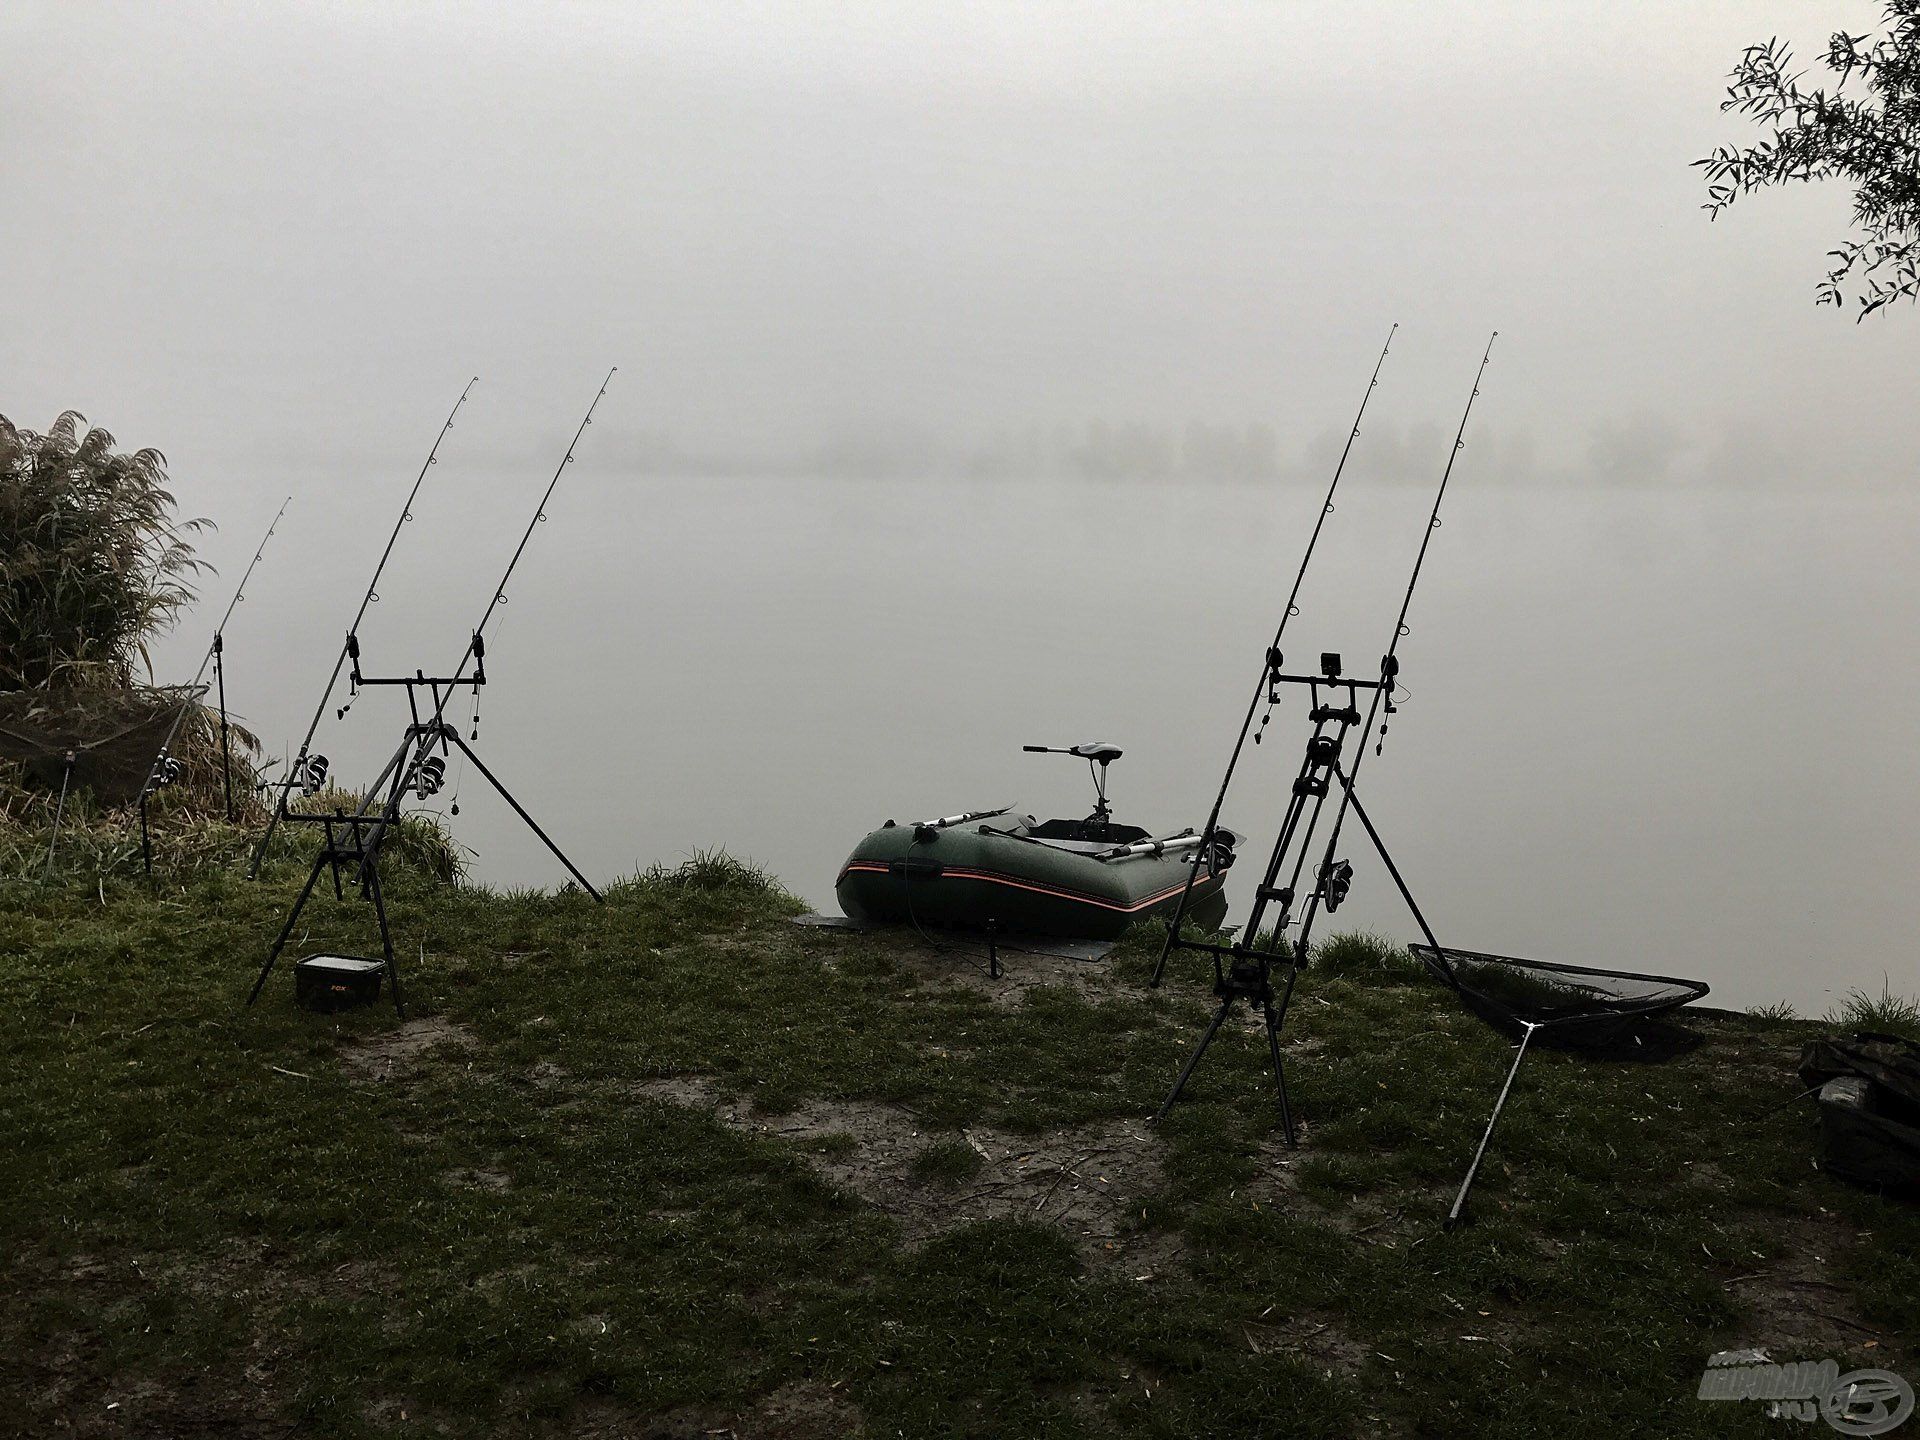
(800, 1410)
(1089, 1180)
(1798, 1307)
(963, 961)
(391, 1053)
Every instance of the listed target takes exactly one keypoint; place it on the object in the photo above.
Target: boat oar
(1185, 840)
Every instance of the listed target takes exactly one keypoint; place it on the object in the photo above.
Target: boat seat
(1073, 847)
(1088, 832)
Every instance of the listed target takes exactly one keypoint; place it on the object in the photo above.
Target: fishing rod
(1335, 714)
(296, 772)
(163, 767)
(476, 646)
(410, 766)
(1389, 671)
(356, 839)
(1271, 659)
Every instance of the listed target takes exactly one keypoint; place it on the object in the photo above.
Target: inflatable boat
(1088, 878)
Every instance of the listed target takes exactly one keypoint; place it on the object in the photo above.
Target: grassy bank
(674, 1166)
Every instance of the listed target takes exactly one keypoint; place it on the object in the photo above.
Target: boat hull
(963, 876)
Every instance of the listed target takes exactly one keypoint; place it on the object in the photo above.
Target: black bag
(1869, 1108)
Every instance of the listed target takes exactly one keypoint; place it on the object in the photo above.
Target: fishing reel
(166, 770)
(1220, 856)
(430, 776)
(1336, 878)
(311, 777)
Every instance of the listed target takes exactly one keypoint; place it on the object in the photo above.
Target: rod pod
(1244, 971)
(434, 731)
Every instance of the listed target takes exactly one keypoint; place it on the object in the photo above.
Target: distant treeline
(1632, 448)
(1095, 450)
(1134, 451)
(1099, 450)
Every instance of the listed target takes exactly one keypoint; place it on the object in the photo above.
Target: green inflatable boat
(1087, 878)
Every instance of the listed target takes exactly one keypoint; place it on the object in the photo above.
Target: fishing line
(475, 645)
(297, 771)
(1390, 663)
(194, 688)
(1269, 661)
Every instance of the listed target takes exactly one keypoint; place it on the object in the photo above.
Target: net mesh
(113, 739)
(1508, 990)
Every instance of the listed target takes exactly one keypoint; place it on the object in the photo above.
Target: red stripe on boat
(878, 867)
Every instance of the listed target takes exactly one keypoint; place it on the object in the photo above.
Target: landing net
(1507, 991)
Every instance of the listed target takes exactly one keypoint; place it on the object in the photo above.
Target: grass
(1883, 1014)
(95, 845)
(945, 1162)
(1359, 955)
(608, 1180)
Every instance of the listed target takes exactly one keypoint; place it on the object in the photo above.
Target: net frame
(1570, 997)
(1591, 1013)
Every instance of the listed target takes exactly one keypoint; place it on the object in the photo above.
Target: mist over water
(982, 367)
(1645, 728)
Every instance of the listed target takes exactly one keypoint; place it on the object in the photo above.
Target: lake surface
(1650, 729)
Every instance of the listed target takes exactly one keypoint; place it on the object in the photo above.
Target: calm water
(1659, 730)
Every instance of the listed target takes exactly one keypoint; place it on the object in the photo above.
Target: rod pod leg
(371, 869)
(1460, 1201)
(1279, 1073)
(1275, 1019)
(1180, 910)
(1380, 847)
(1166, 946)
(1186, 1072)
(531, 823)
(59, 812)
(280, 941)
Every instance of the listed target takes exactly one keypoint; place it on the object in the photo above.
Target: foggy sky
(269, 237)
(1081, 242)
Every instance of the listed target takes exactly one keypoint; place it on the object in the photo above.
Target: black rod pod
(355, 840)
(1243, 969)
